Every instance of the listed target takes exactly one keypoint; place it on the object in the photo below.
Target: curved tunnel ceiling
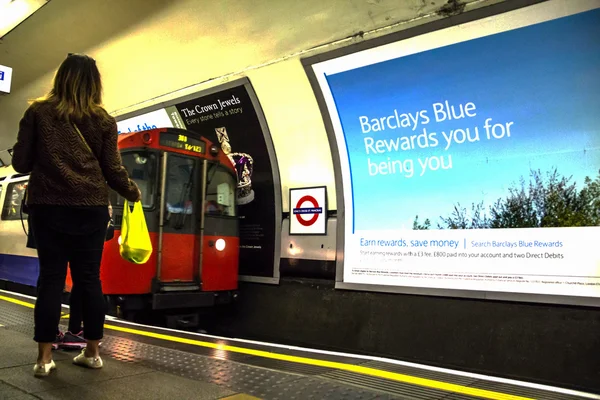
(257, 31)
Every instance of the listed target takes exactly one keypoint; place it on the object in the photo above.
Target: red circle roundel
(315, 211)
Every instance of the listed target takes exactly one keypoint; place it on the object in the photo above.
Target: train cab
(188, 187)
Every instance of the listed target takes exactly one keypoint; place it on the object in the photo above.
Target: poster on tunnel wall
(228, 119)
(470, 157)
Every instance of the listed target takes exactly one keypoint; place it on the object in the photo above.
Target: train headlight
(119, 240)
(220, 244)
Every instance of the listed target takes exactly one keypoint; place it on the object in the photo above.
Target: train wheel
(130, 315)
(112, 307)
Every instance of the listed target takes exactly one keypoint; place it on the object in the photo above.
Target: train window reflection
(15, 192)
(142, 170)
(180, 184)
(220, 192)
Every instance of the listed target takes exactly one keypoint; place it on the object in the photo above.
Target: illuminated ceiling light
(14, 12)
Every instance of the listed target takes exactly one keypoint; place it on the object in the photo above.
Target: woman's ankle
(92, 349)
(44, 353)
(91, 354)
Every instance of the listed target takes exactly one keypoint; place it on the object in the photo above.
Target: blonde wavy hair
(77, 89)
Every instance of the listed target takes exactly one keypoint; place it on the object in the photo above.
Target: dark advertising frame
(230, 116)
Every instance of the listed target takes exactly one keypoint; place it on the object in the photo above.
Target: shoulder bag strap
(90, 150)
(84, 141)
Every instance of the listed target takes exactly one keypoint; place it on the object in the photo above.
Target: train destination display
(182, 142)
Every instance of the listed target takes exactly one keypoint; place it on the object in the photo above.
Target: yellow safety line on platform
(19, 302)
(430, 383)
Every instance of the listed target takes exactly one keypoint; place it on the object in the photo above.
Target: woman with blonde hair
(68, 143)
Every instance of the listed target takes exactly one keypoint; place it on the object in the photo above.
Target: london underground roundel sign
(308, 211)
(300, 210)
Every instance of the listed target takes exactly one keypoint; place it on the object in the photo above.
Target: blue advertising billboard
(470, 157)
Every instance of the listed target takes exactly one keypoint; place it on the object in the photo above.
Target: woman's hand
(135, 194)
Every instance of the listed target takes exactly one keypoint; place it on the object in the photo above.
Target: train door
(17, 263)
(179, 249)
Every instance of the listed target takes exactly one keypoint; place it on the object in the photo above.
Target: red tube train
(188, 194)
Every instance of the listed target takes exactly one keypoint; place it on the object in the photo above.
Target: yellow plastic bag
(134, 244)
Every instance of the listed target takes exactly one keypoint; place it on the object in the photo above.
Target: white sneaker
(44, 369)
(89, 362)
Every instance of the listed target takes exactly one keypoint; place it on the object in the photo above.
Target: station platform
(144, 362)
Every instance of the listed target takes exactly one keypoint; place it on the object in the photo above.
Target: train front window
(180, 184)
(182, 174)
(220, 192)
(141, 166)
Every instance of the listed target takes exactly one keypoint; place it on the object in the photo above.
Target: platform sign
(308, 214)
(469, 157)
(5, 78)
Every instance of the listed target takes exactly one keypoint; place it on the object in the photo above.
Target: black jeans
(71, 236)
(75, 310)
